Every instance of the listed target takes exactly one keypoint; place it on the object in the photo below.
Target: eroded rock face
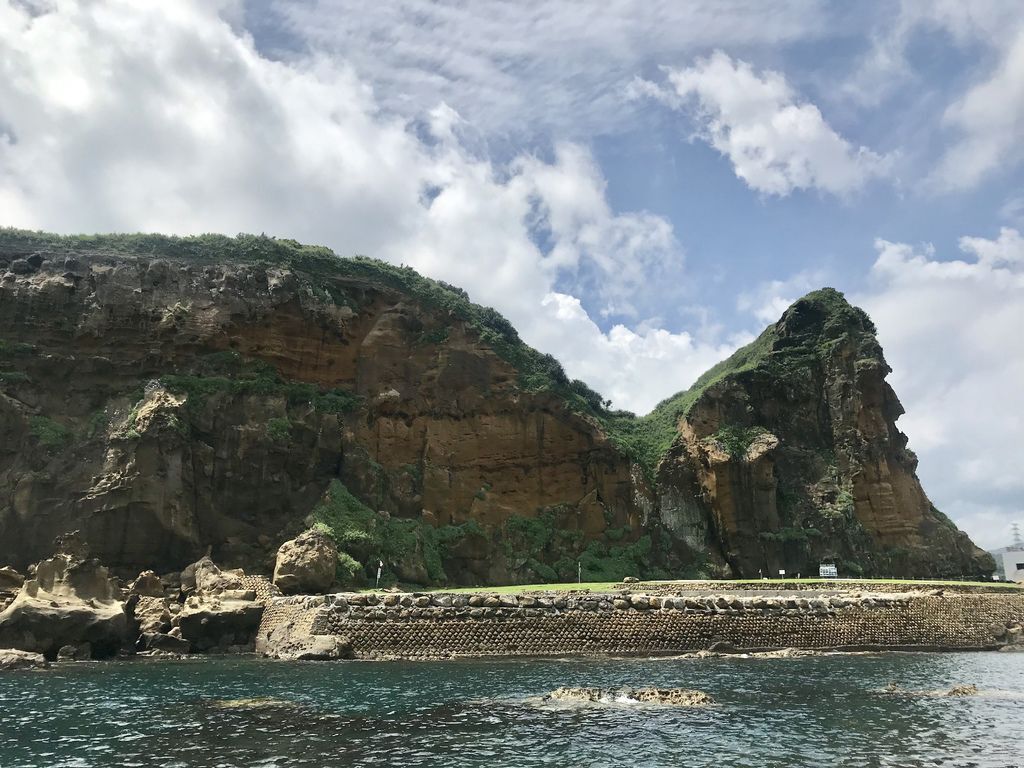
(284, 642)
(795, 458)
(123, 417)
(10, 580)
(68, 602)
(306, 564)
(222, 623)
(171, 402)
(221, 614)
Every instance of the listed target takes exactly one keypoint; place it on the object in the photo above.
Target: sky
(639, 186)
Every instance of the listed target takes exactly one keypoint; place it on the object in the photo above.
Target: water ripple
(771, 712)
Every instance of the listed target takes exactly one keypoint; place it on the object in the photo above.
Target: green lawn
(606, 586)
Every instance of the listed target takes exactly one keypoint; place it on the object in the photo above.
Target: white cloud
(1013, 210)
(886, 66)
(163, 117)
(989, 122)
(951, 332)
(985, 121)
(775, 142)
(532, 65)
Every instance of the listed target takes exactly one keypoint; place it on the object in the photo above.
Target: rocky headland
(170, 398)
(197, 433)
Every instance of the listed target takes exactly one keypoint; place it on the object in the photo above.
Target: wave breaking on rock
(574, 696)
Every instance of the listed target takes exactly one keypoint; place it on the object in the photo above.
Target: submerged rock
(306, 564)
(256, 702)
(679, 697)
(962, 690)
(957, 691)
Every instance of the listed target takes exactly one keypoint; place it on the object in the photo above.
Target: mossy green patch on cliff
(736, 440)
(230, 373)
(50, 434)
(551, 553)
(405, 545)
(279, 430)
(14, 377)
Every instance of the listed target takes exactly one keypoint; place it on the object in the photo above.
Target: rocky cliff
(171, 397)
(787, 455)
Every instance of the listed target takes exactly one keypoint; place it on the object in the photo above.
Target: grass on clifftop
(614, 586)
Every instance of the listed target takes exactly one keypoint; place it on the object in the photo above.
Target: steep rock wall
(165, 407)
(796, 458)
(169, 397)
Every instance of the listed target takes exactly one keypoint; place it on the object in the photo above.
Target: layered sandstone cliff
(791, 452)
(172, 397)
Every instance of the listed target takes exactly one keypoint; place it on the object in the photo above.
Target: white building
(1009, 563)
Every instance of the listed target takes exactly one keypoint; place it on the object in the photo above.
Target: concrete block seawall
(452, 625)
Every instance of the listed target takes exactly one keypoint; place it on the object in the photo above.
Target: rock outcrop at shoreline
(71, 608)
(11, 659)
(176, 397)
(68, 602)
(676, 697)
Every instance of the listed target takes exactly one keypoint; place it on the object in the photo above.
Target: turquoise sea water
(818, 711)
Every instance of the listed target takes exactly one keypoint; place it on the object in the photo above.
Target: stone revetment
(419, 625)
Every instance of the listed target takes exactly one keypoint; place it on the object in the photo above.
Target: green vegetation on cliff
(803, 336)
(537, 371)
(230, 373)
(411, 550)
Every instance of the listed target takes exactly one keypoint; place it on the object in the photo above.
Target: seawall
(413, 625)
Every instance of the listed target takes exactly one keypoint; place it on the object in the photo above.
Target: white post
(380, 565)
(579, 571)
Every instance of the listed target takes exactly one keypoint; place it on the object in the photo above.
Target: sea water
(239, 711)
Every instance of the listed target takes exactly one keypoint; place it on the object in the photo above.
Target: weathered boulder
(69, 602)
(11, 658)
(150, 614)
(306, 564)
(81, 652)
(10, 579)
(163, 643)
(147, 584)
(217, 623)
(205, 577)
(284, 642)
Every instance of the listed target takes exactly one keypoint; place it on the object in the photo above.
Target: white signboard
(828, 571)
(782, 572)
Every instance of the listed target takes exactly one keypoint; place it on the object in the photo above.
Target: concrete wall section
(451, 625)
